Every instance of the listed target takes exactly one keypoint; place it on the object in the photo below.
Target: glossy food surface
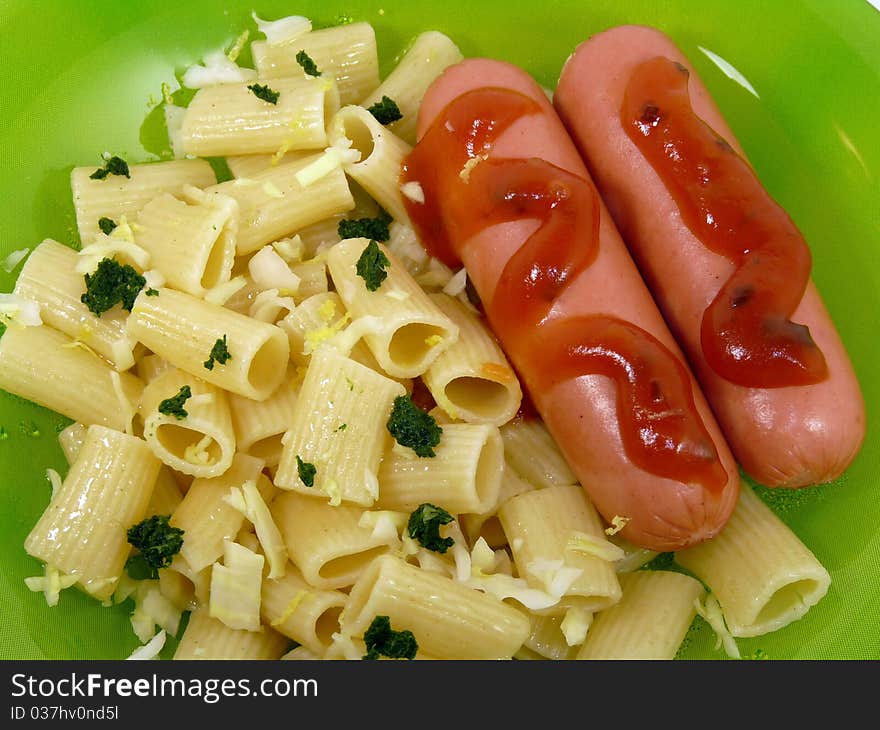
(801, 87)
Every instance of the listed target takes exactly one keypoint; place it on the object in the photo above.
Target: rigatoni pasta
(407, 331)
(196, 437)
(231, 119)
(47, 367)
(118, 196)
(762, 574)
(50, 279)
(430, 53)
(649, 622)
(190, 238)
(184, 330)
(448, 620)
(82, 533)
(344, 442)
(327, 544)
(472, 380)
(345, 53)
(273, 204)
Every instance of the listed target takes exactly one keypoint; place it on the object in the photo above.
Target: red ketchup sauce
(661, 430)
(746, 333)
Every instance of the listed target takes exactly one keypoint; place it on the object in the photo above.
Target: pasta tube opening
(188, 444)
(264, 366)
(480, 396)
(411, 345)
(360, 134)
(327, 624)
(352, 564)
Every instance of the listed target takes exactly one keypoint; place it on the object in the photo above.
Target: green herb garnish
(113, 166)
(382, 640)
(424, 526)
(173, 406)
(413, 427)
(308, 65)
(106, 225)
(371, 266)
(157, 543)
(265, 93)
(112, 283)
(306, 472)
(385, 111)
(375, 229)
(219, 353)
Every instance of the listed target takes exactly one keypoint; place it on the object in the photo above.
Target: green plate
(84, 76)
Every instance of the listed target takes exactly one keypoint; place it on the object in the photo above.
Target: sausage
(782, 435)
(582, 413)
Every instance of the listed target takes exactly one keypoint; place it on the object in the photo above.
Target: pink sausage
(580, 414)
(790, 436)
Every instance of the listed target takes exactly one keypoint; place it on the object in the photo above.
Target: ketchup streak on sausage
(465, 193)
(746, 332)
(726, 266)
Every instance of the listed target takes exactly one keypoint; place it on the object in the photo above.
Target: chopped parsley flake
(112, 283)
(265, 93)
(385, 111)
(106, 225)
(372, 228)
(173, 406)
(113, 166)
(424, 526)
(308, 65)
(413, 427)
(152, 292)
(382, 640)
(219, 353)
(157, 542)
(306, 472)
(371, 266)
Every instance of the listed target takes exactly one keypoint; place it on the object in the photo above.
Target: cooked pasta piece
(207, 518)
(472, 380)
(117, 196)
(49, 278)
(273, 204)
(540, 526)
(260, 425)
(196, 438)
(650, 621)
(45, 366)
(82, 532)
(71, 439)
(209, 638)
(763, 576)
(185, 331)
(532, 452)
(547, 640)
(430, 53)
(308, 615)
(407, 331)
(190, 238)
(486, 524)
(327, 544)
(448, 620)
(346, 53)
(382, 153)
(166, 494)
(339, 428)
(246, 166)
(150, 367)
(231, 119)
(463, 476)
